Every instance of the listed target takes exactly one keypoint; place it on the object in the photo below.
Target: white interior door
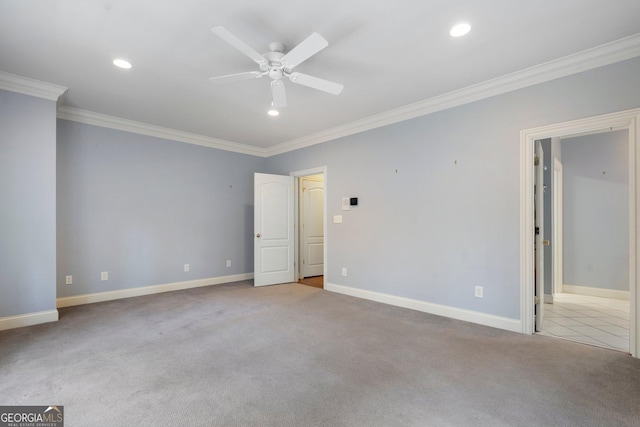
(312, 227)
(273, 229)
(539, 245)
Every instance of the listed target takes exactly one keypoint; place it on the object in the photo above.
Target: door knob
(258, 235)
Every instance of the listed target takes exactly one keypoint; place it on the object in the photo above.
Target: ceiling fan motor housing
(274, 64)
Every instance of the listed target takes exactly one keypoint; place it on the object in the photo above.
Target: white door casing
(312, 227)
(273, 229)
(629, 119)
(539, 233)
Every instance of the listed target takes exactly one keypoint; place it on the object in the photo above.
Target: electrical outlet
(104, 275)
(479, 292)
(186, 268)
(344, 271)
(228, 263)
(69, 280)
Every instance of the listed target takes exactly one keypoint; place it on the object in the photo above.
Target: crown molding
(599, 56)
(32, 87)
(111, 122)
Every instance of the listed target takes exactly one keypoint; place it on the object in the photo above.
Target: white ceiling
(386, 54)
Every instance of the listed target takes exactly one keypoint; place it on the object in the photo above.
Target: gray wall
(596, 210)
(438, 200)
(27, 204)
(141, 207)
(449, 218)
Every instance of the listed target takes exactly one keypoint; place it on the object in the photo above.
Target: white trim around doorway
(629, 119)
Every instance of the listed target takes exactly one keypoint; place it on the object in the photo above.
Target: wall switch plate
(344, 271)
(479, 292)
(186, 268)
(104, 275)
(337, 219)
(346, 203)
(228, 263)
(68, 280)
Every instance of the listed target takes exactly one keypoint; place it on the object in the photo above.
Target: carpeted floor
(293, 355)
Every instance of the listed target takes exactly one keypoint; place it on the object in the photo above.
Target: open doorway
(311, 230)
(628, 120)
(586, 225)
(310, 251)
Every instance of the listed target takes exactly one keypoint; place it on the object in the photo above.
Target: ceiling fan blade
(309, 47)
(230, 78)
(225, 35)
(279, 94)
(316, 83)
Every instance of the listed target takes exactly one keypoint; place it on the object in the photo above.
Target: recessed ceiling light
(460, 29)
(273, 112)
(122, 63)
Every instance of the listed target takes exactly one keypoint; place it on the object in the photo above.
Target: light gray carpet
(292, 355)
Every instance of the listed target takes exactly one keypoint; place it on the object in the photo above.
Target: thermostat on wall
(353, 201)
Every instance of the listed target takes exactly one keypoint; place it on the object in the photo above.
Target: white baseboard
(513, 325)
(28, 319)
(148, 290)
(595, 292)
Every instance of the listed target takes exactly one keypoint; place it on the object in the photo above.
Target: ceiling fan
(278, 65)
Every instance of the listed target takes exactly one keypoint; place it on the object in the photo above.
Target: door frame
(630, 120)
(539, 249)
(296, 203)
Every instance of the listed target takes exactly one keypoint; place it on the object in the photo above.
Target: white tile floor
(597, 321)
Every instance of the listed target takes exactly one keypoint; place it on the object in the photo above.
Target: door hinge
(546, 242)
(536, 300)
(536, 161)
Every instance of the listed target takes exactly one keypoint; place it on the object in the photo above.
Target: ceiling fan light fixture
(122, 63)
(459, 30)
